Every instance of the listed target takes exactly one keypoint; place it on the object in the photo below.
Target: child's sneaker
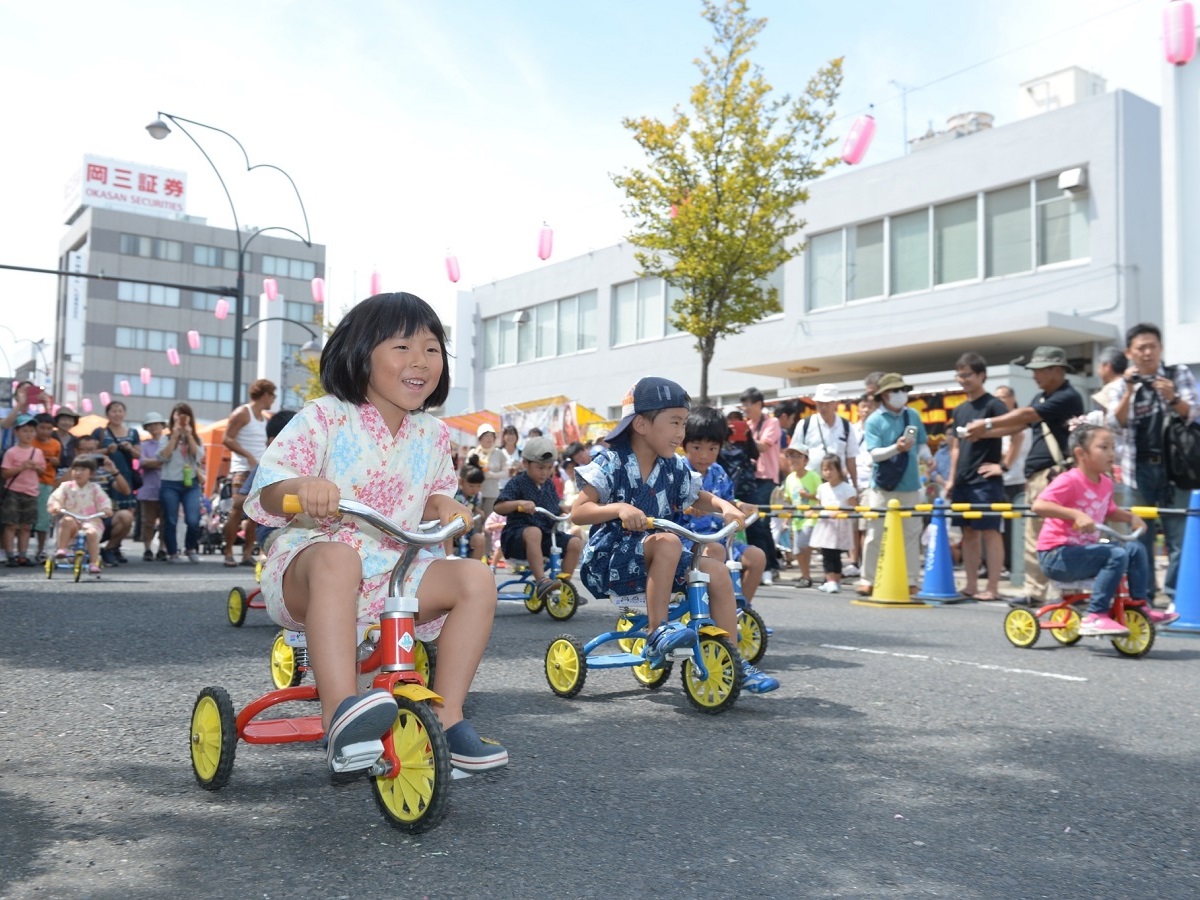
(665, 638)
(850, 570)
(756, 681)
(471, 753)
(60, 554)
(1160, 616)
(830, 587)
(93, 569)
(1099, 625)
(356, 728)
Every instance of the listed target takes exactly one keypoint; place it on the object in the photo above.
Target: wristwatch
(987, 424)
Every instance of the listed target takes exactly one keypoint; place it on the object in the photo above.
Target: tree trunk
(706, 346)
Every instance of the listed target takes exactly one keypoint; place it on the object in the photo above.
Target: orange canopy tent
(468, 423)
(216, 457)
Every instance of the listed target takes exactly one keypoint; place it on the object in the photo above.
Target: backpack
(1181, 448)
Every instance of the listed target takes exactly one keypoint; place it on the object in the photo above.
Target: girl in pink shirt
(1069, 548)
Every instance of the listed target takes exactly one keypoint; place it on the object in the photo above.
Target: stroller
(216, 511)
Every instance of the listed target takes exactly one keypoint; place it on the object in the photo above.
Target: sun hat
(151, 417)
(892, 381)
(1045, 357)
(484, 429)
(538, 449)
(647, 395)
(66, 411)
(796, 446)
(826, 393)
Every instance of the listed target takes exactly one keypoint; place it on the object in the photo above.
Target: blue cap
(647, 395)
(25, 419)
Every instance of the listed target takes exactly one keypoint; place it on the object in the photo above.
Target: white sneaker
(851, 570)
(193, 556)
(830, 587)
(768, 577)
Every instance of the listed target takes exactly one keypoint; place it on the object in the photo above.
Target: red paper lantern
(1179, 32)
(318, 290)
(222, 309)
(452, 270)
(858, 139)
(545, 242)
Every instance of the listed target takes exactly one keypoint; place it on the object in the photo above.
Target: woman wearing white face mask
(894, 475)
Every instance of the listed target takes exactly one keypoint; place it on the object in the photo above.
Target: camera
(1142, 379)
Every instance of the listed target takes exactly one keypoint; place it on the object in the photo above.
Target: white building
(1047, 230)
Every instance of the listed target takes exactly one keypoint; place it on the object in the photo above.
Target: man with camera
(1146, 394)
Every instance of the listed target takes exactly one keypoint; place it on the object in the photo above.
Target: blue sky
(413, 129)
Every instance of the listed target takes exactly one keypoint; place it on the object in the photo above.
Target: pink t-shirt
(1073, 490)
(767, 429)
(26, 481)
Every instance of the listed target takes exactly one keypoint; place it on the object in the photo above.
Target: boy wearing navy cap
(637, 477)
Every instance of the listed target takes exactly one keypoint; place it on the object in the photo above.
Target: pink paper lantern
(86, 403)
(194, 340)
(145, 375)
(858, 139)
(173, 356)
(318, 290)
(545, 242)
(376, 284)
(1179, 32)
(222, 309)
(54, 409)
(270, 288)
(105, 398)
(125, 389)
(452, 270)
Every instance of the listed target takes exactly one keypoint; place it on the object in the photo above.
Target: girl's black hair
(346, 359)
(705, 424)
(471, 474)
(837, 463)
(1082, 435)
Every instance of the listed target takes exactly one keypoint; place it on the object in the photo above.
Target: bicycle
(411, 776)
(711, 668)
(77, 558)
(1024, 626)
(560, 602)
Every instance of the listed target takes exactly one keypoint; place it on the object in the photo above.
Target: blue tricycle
(561, 601)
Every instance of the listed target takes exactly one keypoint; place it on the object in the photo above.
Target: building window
(556, 328)
(298, 312)
(145, 339)
(208, 302)
(282, 267)
(1008, 231)
(825, 270)
(152, 248)
(640, 311)
(153, 294)
(864, 261)
(956, 241)
(217, 257)
(199, 391)
(1062, 223)
(910, 252)
(211, 345)
(159, 386)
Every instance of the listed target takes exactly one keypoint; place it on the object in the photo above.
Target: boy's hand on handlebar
(318, 497)
(732, 513)
(1084, 523)
(1136, 523)
(632, 518)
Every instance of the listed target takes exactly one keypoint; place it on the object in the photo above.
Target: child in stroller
(215, 512)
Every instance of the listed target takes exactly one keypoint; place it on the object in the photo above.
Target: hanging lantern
(452, 270)
(54, 410)
(270, 288)
(86, 403)
(545, 241)
(145, 375)
(318, 290)
(194, 340)
(222, 309)
(1179, 32)
(376, 284)
(105, 398)
(125, 389)
(858, 139)
(173, 356)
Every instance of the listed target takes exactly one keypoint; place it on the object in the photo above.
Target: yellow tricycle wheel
(1068, 634)
(1022, 628)
(284, 670)
(562, 602)
(236, 606)
(414, 795)
(646, 675)
(720, 689)
(566, 666)
(213, 738)
(533, 602)
(425, 659)
(1141, 634)
(752, 635)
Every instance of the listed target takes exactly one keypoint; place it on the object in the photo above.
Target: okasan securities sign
(132, 187)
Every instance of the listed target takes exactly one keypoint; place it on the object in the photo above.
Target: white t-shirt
(840, 440)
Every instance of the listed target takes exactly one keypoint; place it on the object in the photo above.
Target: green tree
(715, 207)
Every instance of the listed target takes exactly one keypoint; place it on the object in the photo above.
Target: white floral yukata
(352, 447)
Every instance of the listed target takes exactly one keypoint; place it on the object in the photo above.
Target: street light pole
(159, 130)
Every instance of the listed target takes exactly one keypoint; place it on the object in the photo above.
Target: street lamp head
(158, 129)
(310, 350)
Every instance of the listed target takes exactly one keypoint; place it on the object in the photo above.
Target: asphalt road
(909, 753)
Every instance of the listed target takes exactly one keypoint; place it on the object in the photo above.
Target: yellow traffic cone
(891, 575)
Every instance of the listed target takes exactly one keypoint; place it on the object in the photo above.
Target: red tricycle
(411, 776)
